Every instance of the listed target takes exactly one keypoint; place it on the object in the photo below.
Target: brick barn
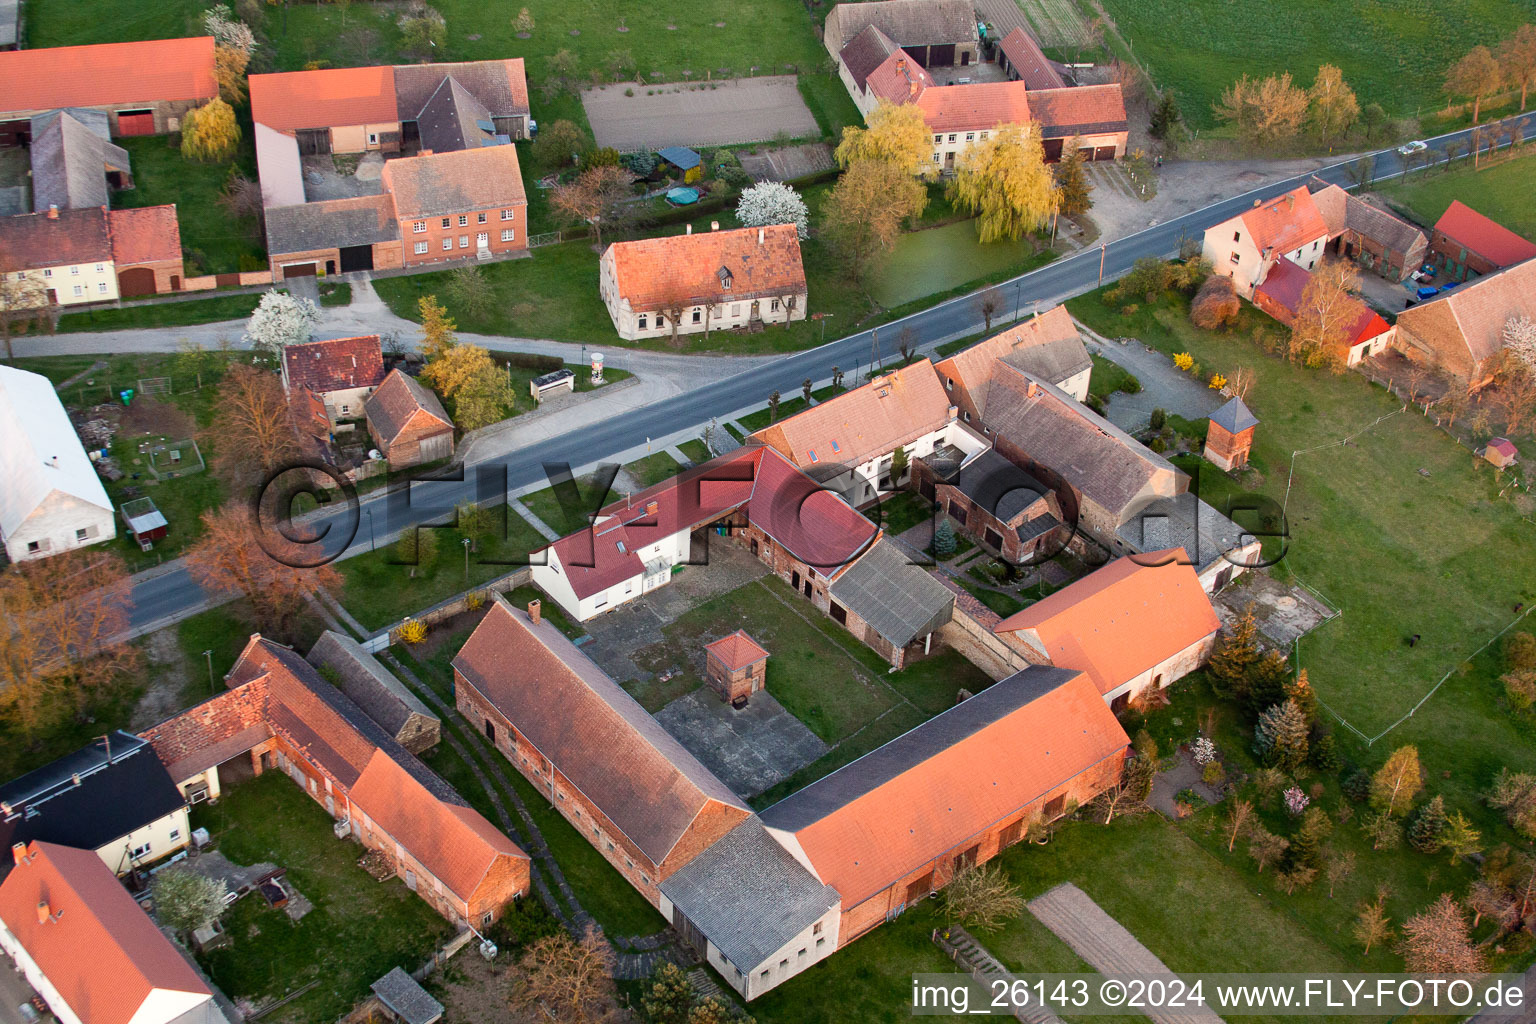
(1466, 244)
(407, 422)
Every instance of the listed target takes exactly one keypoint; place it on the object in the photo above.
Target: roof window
(813, 455)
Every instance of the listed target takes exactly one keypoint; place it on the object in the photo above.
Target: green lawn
(900, 512)
(1108, 377)
(696, 451)
(764, 417)
(225, 631)
(161, 314)
(653, 469)
(1198, 49)
(211, 242)
(942, 258)
(336, 293)
(1502, 192)
(358, 930)
(1398, 551)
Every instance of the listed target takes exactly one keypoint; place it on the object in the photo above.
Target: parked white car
(1415, 146)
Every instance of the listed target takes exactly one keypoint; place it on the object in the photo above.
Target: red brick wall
(406, 448)
(434, 234)
(210, 722)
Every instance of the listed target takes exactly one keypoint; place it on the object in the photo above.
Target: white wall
(551, 578)
(1077, 384)
(35, 976)
(753, 982)
(77, 283)
(54, 525)
(1250, 268)
(165, 836)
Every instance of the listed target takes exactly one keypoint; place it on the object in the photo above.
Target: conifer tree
(1428, 826)
(1280, 738)
(1166, 116)
(1307, 843)
(1236, 650)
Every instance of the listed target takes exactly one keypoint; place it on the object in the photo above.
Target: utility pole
(1018, 288)
(209, 655)
(874, 351)
(466, 561)
(371, 545)
(1102, 250)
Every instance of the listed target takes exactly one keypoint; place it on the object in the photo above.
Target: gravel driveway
(697, 113)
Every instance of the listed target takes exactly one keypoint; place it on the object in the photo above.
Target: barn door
(135, 122)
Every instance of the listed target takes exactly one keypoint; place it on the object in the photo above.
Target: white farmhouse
(50, 497)
(1247, 246)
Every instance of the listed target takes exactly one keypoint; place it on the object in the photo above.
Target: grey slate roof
(367, 682)
(865, 52)
(912, 748)
(1057, 361)
(454, 119)
(407, 1000)
(748, 894)
(337, 222)
(1235, 417)
(1184, 522)
(488, 80)
(898, 599)
(998, 486)
(908, 22)
(71, 151)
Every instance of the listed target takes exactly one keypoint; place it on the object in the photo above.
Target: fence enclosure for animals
(173, 459)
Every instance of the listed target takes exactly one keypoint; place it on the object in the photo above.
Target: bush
(1129, 310)
(1357, 786)
(1216, 304)
(524, 921)
(1520, 651)
(1159, 417)
(1520, 690)
(1213, 774)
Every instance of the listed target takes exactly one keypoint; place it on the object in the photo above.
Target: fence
(546, 238)
(459, 603)
(169, 461)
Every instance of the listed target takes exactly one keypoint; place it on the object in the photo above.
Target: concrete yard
(697, 113)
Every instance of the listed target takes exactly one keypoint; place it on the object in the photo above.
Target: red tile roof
(1083, 110)
(1119, 621)
(325, 98)
(737, 650)
(35, 240)
(1488, 238)
(1465, 325)
(108, 74)
(455, 182)
(1287, 280)
(898, 78)
(656, 273)
(896, 810)
(1285, 223)
(455, 843)
(335, 364)
(96, 947)
(1504, 446)
(814, 525)
(977, 106)
(1034, 69)
(147, 234)
(399, 402)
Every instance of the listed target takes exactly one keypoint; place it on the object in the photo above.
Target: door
(136, 281)
(313, 141)
(410, 879)
(299, 270)
(483, 240)
(794, 578)
(965, 57)
(1053, 150)
(967, 858)
(135, 122)
(941, 56)
(356, 257)
(919, 889)
(994, 539)
(839, 614)
(1104, 153)
(1224, 577)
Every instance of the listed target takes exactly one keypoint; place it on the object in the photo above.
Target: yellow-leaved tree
(210, 133)
(1005, 182)
(1328, 308)
(437, 328)
(479, 389)
(863, 214)
(896, 135)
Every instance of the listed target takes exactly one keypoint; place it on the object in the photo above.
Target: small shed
(686, 161)
(1501, 451)
(1230, 436)
(552, 383)
(145, 521)
(405, 1000)
(737, 667)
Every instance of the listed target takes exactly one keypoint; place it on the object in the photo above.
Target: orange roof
(455, 843)
(334, 364)
(1080, 110)
(1034, 68)
(863, 423)
(737, 650)
(898, 78)
(96, 946)
(147, 234)
(979, 105)
(1484, 236)
(455, 182)
(933, 790)
(1121, 620)
(654, 273)
(328, 97)
(108, 74)
(1285, 223)
(972, 367)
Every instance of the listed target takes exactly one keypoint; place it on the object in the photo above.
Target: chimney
(954, 413)
(759, 236)
(1034, 389)
(53, 212)
(1290, 200)
(688, 229)
(535, 607)
(44, 912)
(19, 853)
(714, 225)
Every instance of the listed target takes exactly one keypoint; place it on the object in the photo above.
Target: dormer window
(622, 549)
(724, 274)
(835, 448)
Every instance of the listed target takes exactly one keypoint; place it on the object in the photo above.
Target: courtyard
(632, 117)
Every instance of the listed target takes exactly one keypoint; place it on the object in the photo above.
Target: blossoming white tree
(228, 31)
(773, 202)
(281, 319)
(1520, 338)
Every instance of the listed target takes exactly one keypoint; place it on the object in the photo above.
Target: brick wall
(462, 238)
(208, 723)
(969, 631)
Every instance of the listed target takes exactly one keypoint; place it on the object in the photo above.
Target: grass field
(161, 314)
(1109, 377)
(211, 241)
(941, 258)
(1502, 192)
(358, 930)
(1394, 52)
(1400, 530)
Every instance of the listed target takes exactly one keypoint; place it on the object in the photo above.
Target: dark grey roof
(363, 220)
(865, 52)
(1184, 522)
(912, 748)
(998, 486)
(491, 82)
(1234, 417)
(454, 119)
(1029, 529)
(1067, 131)
(1396, 234)
(71, 151)
(407, 1000)
(367, 682)
(1057, 361)
(85, 800)
(748, 894)
(908, 22)
(898, 599)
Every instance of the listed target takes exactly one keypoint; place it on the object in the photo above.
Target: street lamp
(1018, 288)
(466, 561)
(209, 655)
(371, 545)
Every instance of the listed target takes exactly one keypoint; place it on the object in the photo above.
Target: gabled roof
(1121, 620)
(897, 598)
(1184, 521)
(898, 78)
(1047, 345)
(901, 806)
(1285, 223)
(1082, 110)
(145, 234)
(737, 650)
(108, 74)
(324, 98)
(313, 718)
(865, 52)
(335, 364)
(31, 241)
(909, 22)
(604, 743)
(1504, 446)
(866, 422)
(406, 999)
(1284, 285)
(500, 85)
(1344, 211)
(977, 106)
(469, 179)
(656, 273)
(1470, 318)
(34, 431)
(1234, 417)
(71, 154)
(998, 486)
(95, 946)
(398, 401)
(88, 798)
(1484, 236)
(1026, 57)
(354, 220)
(454, 119)
(365, 680)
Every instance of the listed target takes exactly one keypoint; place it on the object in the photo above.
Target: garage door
(1104, 153)
(941, 56)
(299, 270)
(136, 281)
(356, 257)
(1053, 149)
(135, 122)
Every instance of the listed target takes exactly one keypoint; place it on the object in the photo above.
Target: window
(802, 952)
(695, 316)
(643, 320)
(74, 271)
(765, 973)
(1236, 259)
(419, 226)
(479, 218)
(421, 248)
(984, 136)
(836, 448)
(969, 137)
(1237, 236)
(485, 920)
(949, 383)
(447, 222)
(938, 139)
(951, 136)
(447, 243)
(784, 962)
(506, 215)
(610, 847)
(346, 409)
(463, 241)
(140, 852)
(490, 730)
(816, 928)
(773, 306)
(100, 268)
(506, 235)
(48, 273)
(101, 287)
(1314, 249)
(373, 138)
(935, 157)
(463, 220)
(813, 455)
(82, 534)
(79, 289)
(175, 834)
(820, 943)
(34, 546)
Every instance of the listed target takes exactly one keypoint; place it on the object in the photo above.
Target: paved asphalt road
(165, 598)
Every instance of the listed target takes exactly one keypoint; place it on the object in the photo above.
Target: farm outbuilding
(1501, 451)
(687, 162)
(145, 521)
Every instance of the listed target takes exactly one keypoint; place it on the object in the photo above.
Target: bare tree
(590, 198)
(982, 897)
(1265, 847)
(1371, 922)
(988, 301)
(1437, 941)
(1239, 816)
(264, 567)
(568, 981)
(254, 432)
(906, 343)
(1340, 866)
